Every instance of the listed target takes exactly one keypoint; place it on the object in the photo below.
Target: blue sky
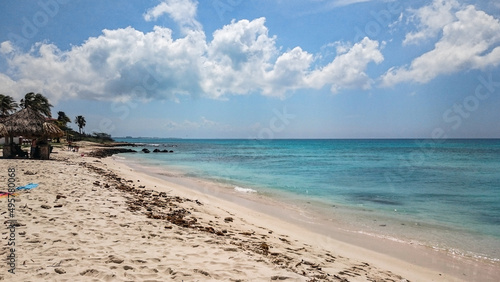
(260, 69)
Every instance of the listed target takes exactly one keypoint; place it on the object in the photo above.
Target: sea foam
(244, 190)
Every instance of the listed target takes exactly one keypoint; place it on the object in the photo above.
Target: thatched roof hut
(3, 130)
(30, 124)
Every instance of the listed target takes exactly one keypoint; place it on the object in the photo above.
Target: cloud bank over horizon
(243, 58)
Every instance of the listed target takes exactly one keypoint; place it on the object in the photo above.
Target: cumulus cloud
(122, 64)
(348, 69)
(181, 11)
(6, 47)
(238, 57)
(470, 41)
(431, 19)
(288, 73)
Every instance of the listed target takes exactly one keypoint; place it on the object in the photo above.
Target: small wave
(244, 190)
(147, 144)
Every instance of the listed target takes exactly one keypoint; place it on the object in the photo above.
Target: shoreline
(456, 231)
(417, 253)
(108, 228)
(389, 225)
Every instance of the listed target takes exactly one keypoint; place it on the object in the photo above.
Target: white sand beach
(96, 219)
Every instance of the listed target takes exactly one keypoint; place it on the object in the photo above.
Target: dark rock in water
(171, 151)
(145, 150)
(164, 151)
(156, 151)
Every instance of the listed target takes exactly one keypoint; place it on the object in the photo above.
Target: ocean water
(444, 195)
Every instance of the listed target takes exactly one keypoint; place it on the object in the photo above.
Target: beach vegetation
(62, 120)
(102, 137)
(80, 121)
(41, 105)
(37, 102)
(74, 136)
(7, 105)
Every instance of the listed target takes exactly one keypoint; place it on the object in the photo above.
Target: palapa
(3, 130)
(30, 124)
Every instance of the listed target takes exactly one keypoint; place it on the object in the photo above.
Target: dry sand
(97, 220)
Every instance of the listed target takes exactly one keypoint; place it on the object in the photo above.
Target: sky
(260, 69)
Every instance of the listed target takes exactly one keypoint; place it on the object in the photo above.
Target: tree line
(40, 104)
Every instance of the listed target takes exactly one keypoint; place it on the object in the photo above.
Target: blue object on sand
(27, 187)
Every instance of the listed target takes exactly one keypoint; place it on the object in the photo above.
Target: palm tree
(62, 120)
(7, 105)
(37, 102)
(80, 121)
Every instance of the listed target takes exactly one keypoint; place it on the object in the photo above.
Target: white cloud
(208, 123)
(242, 58)
(302, 7)
(186, 124)
(431, 19)
(181, 11)
(204, 123)
(119, 63)
(340, 3)
(348, 69)
(289, 73)
(237, 58)
(471, 41)
(6, 47)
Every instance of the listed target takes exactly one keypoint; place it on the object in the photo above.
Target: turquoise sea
(442, 194)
